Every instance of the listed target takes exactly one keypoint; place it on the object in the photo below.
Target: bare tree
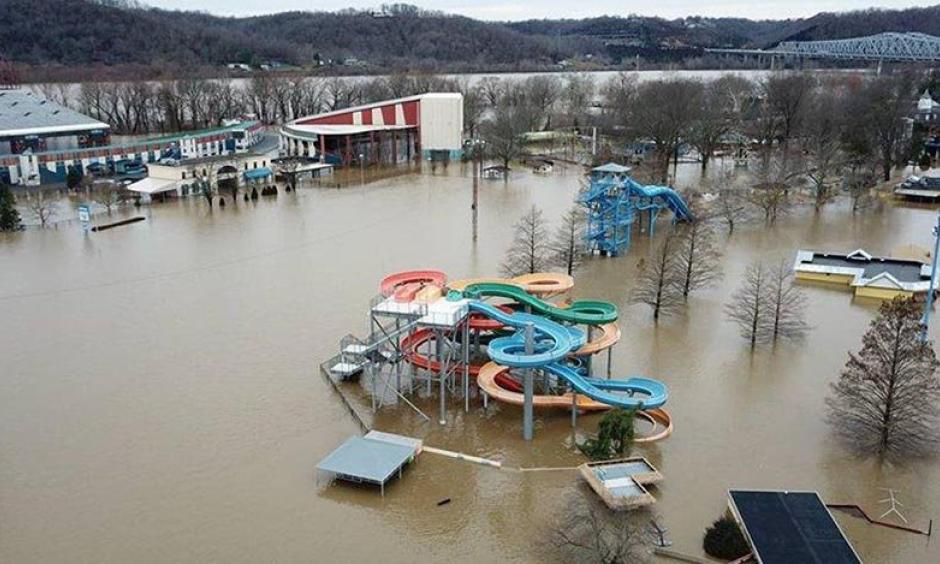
(659, 284)
(43, 206)
(590, 533)
(886, 104)
(748, 305)
(771, 193)
(713, 117)
(822, 145)
(858, 184)
(731, 207)
(109, 194)
(887, 400)
(567, 248)
(787, 97)
(697, 256)
(661, 113)
(511, 119)
(529, 251)
(786, 305)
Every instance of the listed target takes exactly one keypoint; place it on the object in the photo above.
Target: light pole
(925, 322)
(477, 148)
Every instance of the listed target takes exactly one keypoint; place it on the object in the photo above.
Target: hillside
(122, 38)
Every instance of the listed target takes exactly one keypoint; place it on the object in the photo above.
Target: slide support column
(528, 385)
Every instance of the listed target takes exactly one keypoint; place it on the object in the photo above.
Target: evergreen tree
(9, 217)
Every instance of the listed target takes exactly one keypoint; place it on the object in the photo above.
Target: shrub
(725, 540)
(614, 436)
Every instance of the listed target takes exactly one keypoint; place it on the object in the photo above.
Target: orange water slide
(610, 336)
(490, 376)
(487, 380)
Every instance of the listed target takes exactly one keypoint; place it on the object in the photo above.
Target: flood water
(160, 399)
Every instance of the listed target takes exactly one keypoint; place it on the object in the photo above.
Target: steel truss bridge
(889, 46)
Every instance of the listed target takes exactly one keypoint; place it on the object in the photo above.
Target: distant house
(928, 110)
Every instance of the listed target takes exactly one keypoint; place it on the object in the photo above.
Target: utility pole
(925, 322)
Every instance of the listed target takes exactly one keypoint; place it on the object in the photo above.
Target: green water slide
(588, 312)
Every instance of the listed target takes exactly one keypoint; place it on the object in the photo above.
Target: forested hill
(62, 35)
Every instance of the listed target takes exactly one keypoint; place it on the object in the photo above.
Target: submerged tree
(768, 306)
(731, 207)
(786, 305)
(887, 400)
(588, 532)
(43, 206)
(567, 248)
(698, 256)
(748, 305)
(660, 282)
(9, 216)
(529, 251)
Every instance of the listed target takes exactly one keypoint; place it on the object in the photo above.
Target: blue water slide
(653, 394)
(670, 196)
(553, 341)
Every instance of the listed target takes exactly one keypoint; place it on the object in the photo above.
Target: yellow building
(868, 276)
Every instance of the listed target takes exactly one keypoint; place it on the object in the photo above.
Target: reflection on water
(160, 400)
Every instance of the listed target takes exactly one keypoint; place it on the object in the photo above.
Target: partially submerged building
(868, 276)
(41, 141)
(622, 484)
(426, 126)
(787, 527)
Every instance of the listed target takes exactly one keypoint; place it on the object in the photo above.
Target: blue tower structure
(613, 200)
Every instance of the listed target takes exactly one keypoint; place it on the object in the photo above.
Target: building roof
(791, 528)
(864, 265)
(151, 185)
(392, 102)
(367, 459)
(24, 113)
(613, 168)
(313, 130)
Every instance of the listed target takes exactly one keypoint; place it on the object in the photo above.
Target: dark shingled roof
(791, 528)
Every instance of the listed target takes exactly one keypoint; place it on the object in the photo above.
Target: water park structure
(521, 348)
(615, 202)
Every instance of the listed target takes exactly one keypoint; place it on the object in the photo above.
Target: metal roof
(612, 168)
(367, 459)
(791, 528)
(24, 113)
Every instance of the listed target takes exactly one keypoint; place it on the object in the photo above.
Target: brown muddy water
(160, 400)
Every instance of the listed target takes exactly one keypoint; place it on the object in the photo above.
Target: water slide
(414, 285)
(542, 284)
(552, 343)
(668, 195)
(588, 312)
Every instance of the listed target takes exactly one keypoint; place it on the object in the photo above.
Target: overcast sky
(529, 9)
